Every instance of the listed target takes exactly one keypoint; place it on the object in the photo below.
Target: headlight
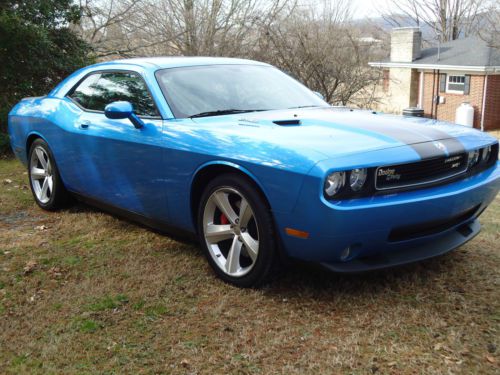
(357, 178)
(486, 153)
(334, 182)
(473, 157)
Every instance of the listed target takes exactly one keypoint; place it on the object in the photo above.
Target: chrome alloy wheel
(231, 232)
(42, 180)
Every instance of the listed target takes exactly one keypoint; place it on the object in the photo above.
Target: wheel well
(29, 142)
(204, 176)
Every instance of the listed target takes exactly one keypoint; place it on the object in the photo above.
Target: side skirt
(157, 225)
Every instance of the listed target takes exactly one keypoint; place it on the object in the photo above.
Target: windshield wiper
(221, 112)
(305, 106)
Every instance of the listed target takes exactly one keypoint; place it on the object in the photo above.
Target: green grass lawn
(82, 292)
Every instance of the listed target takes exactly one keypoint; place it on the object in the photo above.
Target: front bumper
(368, 225)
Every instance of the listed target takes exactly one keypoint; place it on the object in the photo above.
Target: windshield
(222, 89)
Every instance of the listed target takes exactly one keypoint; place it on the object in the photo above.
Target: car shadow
(304, 279)
(298, 279)
(186, 239)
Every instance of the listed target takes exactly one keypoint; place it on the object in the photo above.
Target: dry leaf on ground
(30, 267)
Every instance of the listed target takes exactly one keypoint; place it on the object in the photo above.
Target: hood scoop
(293, 122)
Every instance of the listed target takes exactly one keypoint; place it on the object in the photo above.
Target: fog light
(345, 253)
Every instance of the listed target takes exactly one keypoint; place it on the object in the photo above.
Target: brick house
(439, 79)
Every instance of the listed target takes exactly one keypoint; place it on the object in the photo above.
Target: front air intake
(411, 232)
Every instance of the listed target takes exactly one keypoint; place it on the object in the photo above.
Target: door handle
(84, 124)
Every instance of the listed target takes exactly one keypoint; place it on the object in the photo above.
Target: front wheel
(236, 231)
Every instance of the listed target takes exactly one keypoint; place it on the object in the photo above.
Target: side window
(85, 93)
(100, 89)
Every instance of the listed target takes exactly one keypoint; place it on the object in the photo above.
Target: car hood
(335, 131)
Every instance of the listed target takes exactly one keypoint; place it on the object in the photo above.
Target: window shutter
(467, 85)
(442, 82)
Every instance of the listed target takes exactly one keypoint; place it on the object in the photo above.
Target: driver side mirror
(120, 110)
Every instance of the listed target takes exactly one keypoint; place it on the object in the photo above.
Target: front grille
(419, 173)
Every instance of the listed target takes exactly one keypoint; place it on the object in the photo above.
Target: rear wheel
(236, 231)
(45, 181)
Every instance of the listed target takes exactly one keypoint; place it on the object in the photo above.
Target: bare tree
(117, 28)
(490, 32)
(211, 27)
(121, 28)
(450, 19)
(318, 47)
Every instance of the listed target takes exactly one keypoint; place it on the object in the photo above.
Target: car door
(114, 162)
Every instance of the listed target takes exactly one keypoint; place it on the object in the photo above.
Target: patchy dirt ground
(84, 292)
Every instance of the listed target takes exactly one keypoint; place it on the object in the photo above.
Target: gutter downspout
(421, 91)
(433, 92)
(437, 95)
(485, 88)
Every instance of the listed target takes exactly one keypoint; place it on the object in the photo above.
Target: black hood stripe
(442, 147)
(427, 141)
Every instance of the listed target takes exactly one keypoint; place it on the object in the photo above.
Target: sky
(368, 8)
(360, 8)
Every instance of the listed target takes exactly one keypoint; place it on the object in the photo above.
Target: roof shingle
(470, 51)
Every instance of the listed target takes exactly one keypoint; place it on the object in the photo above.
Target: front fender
(230, 165)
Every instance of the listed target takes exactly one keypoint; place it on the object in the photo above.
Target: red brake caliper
(223, 219)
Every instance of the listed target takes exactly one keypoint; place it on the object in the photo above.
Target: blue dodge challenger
(255, 164)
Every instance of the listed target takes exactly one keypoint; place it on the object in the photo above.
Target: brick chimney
(406, 44)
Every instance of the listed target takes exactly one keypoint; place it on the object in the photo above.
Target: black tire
(267, 257)
(59, 196)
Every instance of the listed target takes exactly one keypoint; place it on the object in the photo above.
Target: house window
(455, 84)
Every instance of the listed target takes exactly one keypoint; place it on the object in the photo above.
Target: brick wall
(492, 107)
(428, 93)
(447, 110)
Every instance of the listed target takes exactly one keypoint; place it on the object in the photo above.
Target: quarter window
(455, 84)
(99, 89)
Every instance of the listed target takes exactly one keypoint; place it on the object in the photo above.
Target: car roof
(177, 61)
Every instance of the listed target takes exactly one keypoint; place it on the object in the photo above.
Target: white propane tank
(465, 114)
